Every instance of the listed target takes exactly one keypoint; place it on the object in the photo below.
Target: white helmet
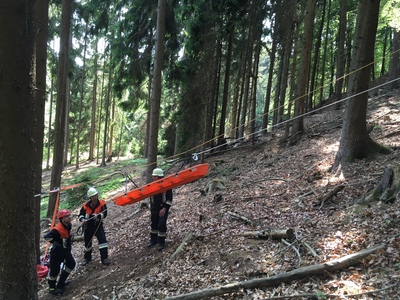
(92, 192)
(158, 172)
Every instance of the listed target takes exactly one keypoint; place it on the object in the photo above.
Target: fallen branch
(275, 280)
(178, 250)
(392, 134)
(294, 249)
(328, 196)
(309, 248)
(237, 216)
(274, 234)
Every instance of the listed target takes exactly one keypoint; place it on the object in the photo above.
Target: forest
(166, 80)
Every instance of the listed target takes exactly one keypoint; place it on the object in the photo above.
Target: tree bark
(304, 70)
(394, 70)
(272, 56)
(355, 143)
(92, 134)
(156, 90)
(341, 54)
(274, 234)
(79, 121)
(61, 116)
(107, 108)
(221, 132)
(18, 278)
(42, 15)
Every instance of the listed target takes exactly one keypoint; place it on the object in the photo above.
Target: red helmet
(63, 213)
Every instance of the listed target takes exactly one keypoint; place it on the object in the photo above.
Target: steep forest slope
(267, 186)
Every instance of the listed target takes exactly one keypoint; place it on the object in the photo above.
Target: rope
(94, 233)
(53, 220)
(81, 226)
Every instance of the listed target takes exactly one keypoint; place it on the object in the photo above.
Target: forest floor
(267, 186)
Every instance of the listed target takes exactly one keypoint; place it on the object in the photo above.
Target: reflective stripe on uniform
(102, 246)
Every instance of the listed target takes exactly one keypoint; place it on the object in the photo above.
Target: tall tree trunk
(112, 122)
(386, 32)
(323, 67)
(256, 62)
(107, 108)
(66, 125)
(18, 278)
(304, 70)
(216, 78)
(235, 108)
(60, 119)
(288, 48)
(156, 89)
(221, 133)
(315, 64)
(92, 134)
(79, 121)
(272, 56)
(341, 54)
(99, 119)
(355, 143)
(50, 121)
(394, 70)
(247, 74)
(293, 74)
(67, 110)
(275, 112)
(42, 15)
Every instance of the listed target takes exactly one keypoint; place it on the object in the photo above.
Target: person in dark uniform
(60, 239)
(159, 208)
(92, 215)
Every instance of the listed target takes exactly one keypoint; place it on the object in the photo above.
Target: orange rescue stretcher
(162, 185)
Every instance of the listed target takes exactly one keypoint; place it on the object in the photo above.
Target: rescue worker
(159, 208)
(92, 214)
(60, 239)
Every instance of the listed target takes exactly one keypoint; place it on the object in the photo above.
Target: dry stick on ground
(275, 280)
(328, 196)
(275, 234)
(185, 241)
(237, 216)
(391, 134)
(294, 249)
(309, 248)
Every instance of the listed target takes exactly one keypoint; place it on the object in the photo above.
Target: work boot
(151, 245)
(85, 262)
(106, 262)
(67, 282)
(56, 291)
(160, 247)
(61, 282)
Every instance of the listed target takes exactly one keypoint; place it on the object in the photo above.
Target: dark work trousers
(94, 229)
(158, 227)
(58, 256)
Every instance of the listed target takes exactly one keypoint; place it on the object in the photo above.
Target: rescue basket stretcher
(162, 185)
